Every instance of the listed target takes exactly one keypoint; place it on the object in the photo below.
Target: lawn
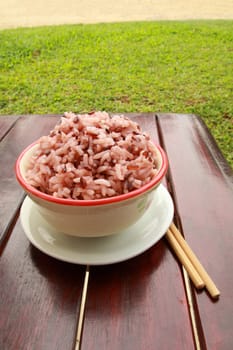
(182, 67)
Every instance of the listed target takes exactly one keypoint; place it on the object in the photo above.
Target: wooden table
(146, 302)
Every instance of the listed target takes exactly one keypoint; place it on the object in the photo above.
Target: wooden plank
(202, 181)
(39, 298)
(140, 303)
(26, 130)
(6, 122)
(43, 293)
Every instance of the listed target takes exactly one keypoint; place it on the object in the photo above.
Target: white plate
(102, 250)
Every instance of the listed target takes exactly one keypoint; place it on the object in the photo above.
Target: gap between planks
(15, 118)
(6, 233)
(82, 310)
(187, 286)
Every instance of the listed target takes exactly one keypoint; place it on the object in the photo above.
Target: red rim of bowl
(83, 202)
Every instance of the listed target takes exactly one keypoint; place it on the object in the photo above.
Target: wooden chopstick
(193, 274)
(186, 251)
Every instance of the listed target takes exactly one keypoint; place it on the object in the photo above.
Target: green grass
(182, 67)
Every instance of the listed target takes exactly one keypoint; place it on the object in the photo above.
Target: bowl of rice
(93, 175)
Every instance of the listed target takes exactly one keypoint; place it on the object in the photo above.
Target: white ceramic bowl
(91, 218)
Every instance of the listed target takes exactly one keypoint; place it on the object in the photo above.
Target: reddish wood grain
(6, 122)
(39, 298)
(26, 130)
(141, 303)
(137, 304)
(202, 182)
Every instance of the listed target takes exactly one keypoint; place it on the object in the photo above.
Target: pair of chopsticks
(194, 268)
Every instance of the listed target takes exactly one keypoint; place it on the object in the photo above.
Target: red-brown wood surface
(24, 131)
(39, 296)
(139, 304)
(6, 123)
(202, 182)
